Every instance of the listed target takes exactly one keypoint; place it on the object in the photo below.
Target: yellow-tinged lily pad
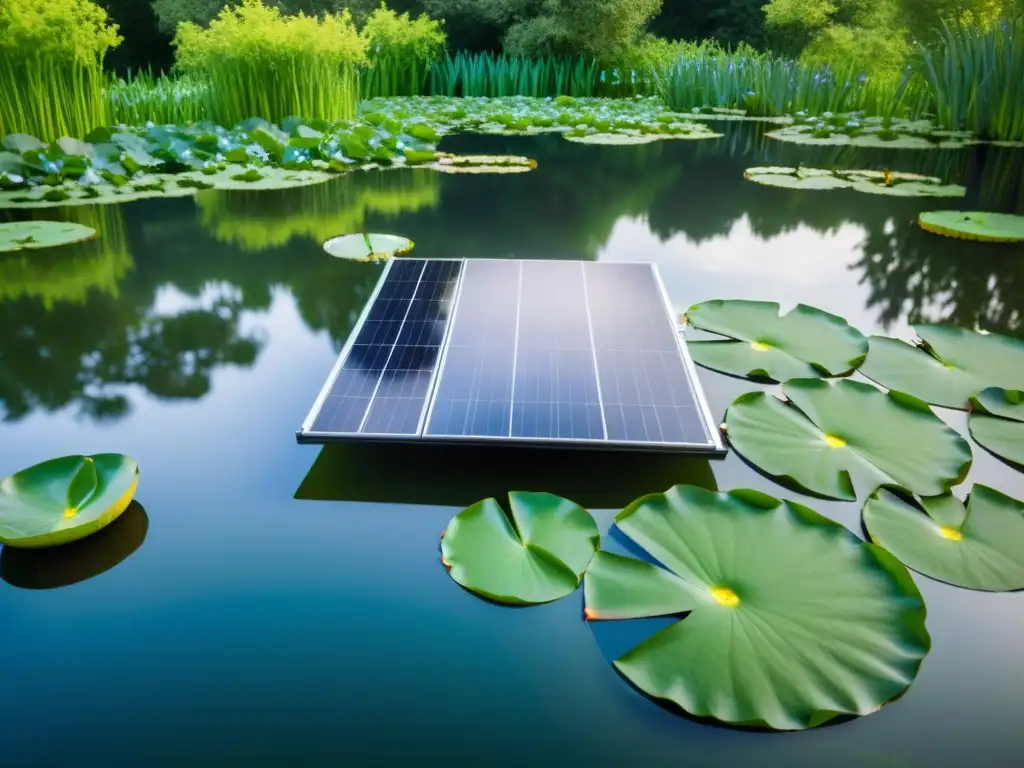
(368, 247)
(894, 183)
(65, 499)
(974, 225)
(788, 618)
(482, 164)
(30, 235)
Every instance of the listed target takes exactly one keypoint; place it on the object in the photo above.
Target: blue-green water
(279, 605)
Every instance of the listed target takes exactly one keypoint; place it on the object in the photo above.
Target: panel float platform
(528, 352)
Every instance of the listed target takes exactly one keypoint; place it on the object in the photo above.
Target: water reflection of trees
(81, 326)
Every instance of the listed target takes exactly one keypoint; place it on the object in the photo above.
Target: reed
(401, 51)
(141, 97)
(496, 75)
(260, 63)
(976, 78)
(51, 67)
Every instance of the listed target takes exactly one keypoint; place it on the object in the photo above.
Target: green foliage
(51, 60)
(260, 62)
(496, 75)
(975, 78)
(401, 50)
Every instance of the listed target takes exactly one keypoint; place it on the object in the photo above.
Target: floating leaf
(805, 342)
(536, 557)
(833, 428)
(997, 422)
(975, 225)
(980, 546)
(65, 499)
(368, 247)
(894, 183)
(21, 142)
(793, 619)
(950, 365)
(28, 235)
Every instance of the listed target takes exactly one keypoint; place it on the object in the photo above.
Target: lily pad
(894, 183)
(792, 621)
(537, 556)
(65, 499)
(804, 342)
(974, 225)
(978, 546)
(482, 164)
(831, 429)
(367, 247)
(29, 235)
(614, 139)
(997, 423)
(948, 366)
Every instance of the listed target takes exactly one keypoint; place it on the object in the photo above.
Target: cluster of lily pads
(895, 183)
(853, 128)
(587, 120)
(788, 618)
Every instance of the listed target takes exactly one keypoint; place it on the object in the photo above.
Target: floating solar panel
(533, 352)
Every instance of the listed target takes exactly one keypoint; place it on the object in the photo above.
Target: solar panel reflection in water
(539, 352)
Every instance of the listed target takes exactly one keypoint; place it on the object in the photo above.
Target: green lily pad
(29, 235)
(792, 621)
(613, 139)
(997, 422)
(833, 428)
(65, 499)
(870, 182)
(537, 556)
(482, 164)
(368, 247)
(974, 225)
(805, 342)
(980, 546)
(949, 365)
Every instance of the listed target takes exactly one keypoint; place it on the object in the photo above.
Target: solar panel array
(520, 351)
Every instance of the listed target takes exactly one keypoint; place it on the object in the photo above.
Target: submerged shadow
(80, 560)
(458, 476)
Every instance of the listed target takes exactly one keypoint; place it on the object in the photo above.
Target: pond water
(280, 604)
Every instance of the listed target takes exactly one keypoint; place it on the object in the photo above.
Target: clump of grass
(141, 97)
(401, 51)
(497, 75)
(260, 63)
(976, 77)
(51, 66)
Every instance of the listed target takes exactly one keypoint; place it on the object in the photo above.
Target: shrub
(51, 66)
(401, 50)
(260, 63)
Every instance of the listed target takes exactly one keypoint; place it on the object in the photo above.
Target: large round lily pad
(65, 499)
(29, 235)
(834, 428)
(894, 183)
(804, 342)
(368, 247)
(978, 546)
(793, 619)
(975, 225)
(948, 366)
(536, 556)
(483, 164)
(997, 422)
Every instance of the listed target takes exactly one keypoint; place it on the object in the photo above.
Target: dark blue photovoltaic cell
(402, 391)
(555, 390)
(474, 391)
(645, 389)
(394, 353)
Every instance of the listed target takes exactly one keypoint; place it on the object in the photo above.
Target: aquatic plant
(974, 225)
(51, 66)
(536, 554)
(997, 424)
(140, 97)
(978, 545)
(784, 618)
(65, 499)
(260, 62)
(975, 79)
(366, 246)
(401, 51)
(947, 366)
(854, 129)
(887, 182)
(33, 235)
(764, 344)
(827, 430)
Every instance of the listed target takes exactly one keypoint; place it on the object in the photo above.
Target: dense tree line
(876, 32)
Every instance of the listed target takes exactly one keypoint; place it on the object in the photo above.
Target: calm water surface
(267, 603)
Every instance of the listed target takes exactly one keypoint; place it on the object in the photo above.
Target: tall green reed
(259, 63)
(400, 50)
(51, 67)
(141, 97)
(976, 76)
